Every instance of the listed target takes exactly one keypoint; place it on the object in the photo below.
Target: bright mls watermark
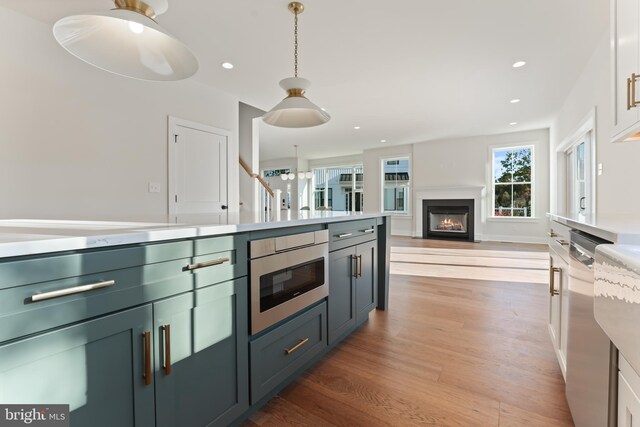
(34, 415)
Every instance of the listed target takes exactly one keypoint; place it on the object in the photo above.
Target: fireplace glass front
(448, 223)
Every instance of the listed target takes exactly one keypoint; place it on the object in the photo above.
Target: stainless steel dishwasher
(588, 348)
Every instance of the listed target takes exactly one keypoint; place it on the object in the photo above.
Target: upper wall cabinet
(625, 56)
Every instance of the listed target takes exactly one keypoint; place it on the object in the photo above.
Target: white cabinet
(558, 306)
(628, 396)
(559, 291)
(625, 56)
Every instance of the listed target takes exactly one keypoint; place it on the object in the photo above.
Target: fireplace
(448, 219)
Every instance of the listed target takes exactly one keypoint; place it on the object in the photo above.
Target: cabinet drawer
(20, 314)
(281, 352)
(33, 269)
(218, 259)
(559, 239)
(349, 233)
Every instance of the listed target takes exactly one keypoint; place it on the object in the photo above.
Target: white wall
(615, 188)
(465, 162)
(249, 151)
(78, 142)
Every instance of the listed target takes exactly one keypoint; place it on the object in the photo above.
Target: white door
(197, 168)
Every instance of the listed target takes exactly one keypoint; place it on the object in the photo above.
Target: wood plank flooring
(448, 352)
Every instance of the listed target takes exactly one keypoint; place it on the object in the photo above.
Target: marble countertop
(37, 236)
(617, 297)
(620, 229)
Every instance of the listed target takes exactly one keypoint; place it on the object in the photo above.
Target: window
(395, 186)
(512, 181)
(345, 182)
(579, 177)
(320, 197)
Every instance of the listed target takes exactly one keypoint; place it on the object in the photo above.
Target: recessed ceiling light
(227, 65)
(356, 127)
(519, 64)
(383, 140)
(513, 123)
(514, 101)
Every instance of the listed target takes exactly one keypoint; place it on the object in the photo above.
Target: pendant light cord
(295, 43)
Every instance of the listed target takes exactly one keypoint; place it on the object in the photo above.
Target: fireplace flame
(449, 224)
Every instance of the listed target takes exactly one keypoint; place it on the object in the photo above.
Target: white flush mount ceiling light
(296, 111)
(227, 65)
(514, 101)
(519, 64)
(127, 41)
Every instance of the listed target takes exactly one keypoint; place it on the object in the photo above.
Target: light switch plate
(154, 187)
(599, 168)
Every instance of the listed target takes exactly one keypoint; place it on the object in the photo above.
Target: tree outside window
(512, 181)
(395, 191)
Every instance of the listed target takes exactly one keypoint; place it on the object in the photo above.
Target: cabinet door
(625, 16)
(628, 404)
(554, 299)
(97, 367)
(202, 356)
(342, 298)
(558, 306)
(367, 281)
(564, 313)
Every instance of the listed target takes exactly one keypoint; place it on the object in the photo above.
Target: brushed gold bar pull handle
(552, 234)
(167, 349)
(633, 103)
(552, 280)
(71, 291)
(297, 346)
(354, 258)
(368, 230)
(628, 94)
(208, 263)
(359, 265)
(562, 242)
(146, 336)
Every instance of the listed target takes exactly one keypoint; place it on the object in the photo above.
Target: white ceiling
(404, 71)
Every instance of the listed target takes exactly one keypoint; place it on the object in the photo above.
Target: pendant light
(292, 175)
(127, 41)
(296, 111)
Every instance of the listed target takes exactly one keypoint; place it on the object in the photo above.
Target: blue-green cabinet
(352, 288)
(101, 368)
(201, 357)
(342, 296)
(366, 282)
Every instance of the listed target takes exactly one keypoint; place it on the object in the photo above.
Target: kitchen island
(148, 323)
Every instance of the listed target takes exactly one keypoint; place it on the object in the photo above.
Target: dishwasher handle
(581, 255)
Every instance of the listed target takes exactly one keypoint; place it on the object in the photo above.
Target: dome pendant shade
(296, 111)
(127, 43)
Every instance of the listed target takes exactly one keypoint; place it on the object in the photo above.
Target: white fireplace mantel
(477, 193)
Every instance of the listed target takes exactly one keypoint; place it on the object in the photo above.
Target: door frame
(172, 123)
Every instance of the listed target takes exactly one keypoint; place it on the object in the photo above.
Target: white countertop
(36, 236)
(617, 297)
(620, 229)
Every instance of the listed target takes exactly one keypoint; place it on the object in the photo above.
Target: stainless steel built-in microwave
(288, 273)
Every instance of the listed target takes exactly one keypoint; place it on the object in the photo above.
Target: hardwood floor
(448, 352)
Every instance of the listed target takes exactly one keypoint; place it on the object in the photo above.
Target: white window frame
(492, 150)
(586, 129)
(326, 188)
(408, 207)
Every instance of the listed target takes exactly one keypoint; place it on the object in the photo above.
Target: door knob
(224, 207)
